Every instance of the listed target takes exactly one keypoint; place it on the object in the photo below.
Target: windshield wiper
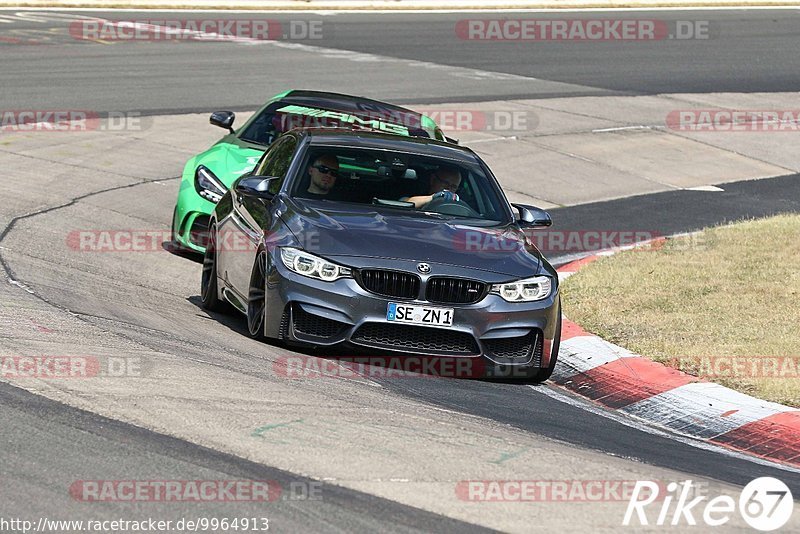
(437, 215)
(402, 204)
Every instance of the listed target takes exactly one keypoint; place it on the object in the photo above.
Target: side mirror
(532, 217)
(256, 186)
(223, 119)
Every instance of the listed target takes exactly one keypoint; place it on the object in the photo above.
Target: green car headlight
(208, 185)
(302, 262)
(527, 290)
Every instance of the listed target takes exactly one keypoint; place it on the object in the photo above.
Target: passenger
(444, 182)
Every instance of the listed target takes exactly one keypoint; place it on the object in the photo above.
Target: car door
(252, 216)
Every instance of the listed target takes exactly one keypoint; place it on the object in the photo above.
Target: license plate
(425, 315)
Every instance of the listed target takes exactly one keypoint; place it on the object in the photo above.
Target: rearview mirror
(223, 119)
(394, 172)
(532, 217)
(256, 186)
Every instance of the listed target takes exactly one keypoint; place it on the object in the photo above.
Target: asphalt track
(47, 444)
(746, 51)
(69, 439)
(674, 212)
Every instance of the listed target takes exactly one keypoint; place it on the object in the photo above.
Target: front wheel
(208, 284)
(257, 297)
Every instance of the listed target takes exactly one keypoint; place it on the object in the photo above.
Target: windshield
(413, 183)
(281, 117)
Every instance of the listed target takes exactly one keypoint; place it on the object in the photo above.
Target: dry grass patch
(724, 305)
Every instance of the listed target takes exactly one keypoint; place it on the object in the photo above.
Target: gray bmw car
(387, 244)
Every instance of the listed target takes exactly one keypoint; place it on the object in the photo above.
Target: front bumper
(190, 219)
(499, 333)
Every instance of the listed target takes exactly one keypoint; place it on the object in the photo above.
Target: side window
(277, 160)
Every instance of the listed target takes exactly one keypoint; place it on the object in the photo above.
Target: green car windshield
(280, 117)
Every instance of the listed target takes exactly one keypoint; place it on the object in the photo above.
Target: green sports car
(207, 176)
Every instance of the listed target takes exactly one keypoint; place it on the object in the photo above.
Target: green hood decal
(347, 118)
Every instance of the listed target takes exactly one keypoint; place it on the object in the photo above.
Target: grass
(723, 305)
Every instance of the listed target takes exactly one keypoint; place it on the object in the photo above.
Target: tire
(175, 246)
(172, 226)
(208, 283)
(257, 297)
(544, 374)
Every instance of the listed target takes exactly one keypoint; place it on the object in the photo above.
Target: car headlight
(527, 290)
(208, 185)
(302, 262)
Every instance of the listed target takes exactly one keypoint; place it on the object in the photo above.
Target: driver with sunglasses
(323, 176)
(444, 182)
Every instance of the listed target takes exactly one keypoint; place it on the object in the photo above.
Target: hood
(228, 161)
(352, 230)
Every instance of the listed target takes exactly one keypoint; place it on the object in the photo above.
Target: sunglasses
(325, 169)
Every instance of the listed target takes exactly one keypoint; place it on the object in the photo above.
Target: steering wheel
(459, 208)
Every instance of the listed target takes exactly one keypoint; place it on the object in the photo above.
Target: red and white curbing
(670, 399)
